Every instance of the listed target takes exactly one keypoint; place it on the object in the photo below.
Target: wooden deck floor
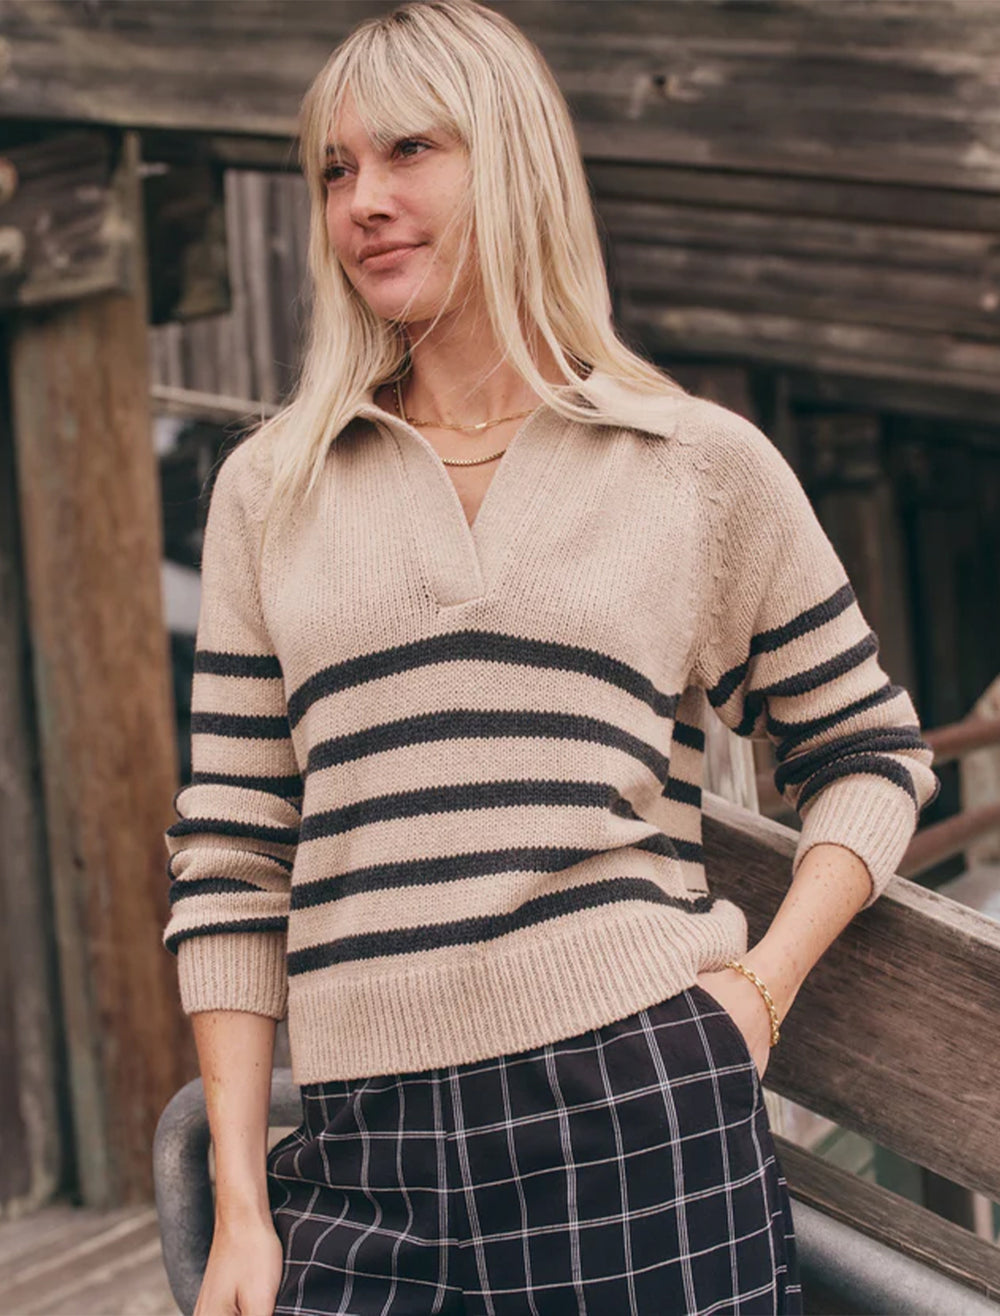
(76, 1261)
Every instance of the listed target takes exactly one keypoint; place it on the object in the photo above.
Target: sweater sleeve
(786, 654)
(233, 844)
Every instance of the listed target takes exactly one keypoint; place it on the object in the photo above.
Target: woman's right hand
(243, 1273)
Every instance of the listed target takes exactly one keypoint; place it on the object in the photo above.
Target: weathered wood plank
(884, 91)
(65, 235)
(894, 1033)
(911, 279)
(893, 1220)
(92, 544)
(843, 200)
(824, 346)
(904, 397)
(65, 1261)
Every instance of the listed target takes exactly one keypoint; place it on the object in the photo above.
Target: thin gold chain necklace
(456, 461)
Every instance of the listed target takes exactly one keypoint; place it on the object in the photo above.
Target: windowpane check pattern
(629, 1169)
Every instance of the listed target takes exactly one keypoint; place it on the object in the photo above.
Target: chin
(396, 308)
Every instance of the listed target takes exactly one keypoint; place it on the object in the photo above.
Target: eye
(333, 172)
(405, 145)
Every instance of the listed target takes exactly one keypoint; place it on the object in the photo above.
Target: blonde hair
(461, 67)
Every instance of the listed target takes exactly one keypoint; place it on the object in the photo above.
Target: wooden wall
(800, 200)
(809, 184)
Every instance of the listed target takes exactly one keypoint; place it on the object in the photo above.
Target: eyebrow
(335, 148)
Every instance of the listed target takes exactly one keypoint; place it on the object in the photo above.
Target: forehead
(360, 120)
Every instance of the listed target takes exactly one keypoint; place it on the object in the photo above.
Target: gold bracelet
(749, 973)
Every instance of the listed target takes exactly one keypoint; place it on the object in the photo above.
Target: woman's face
(393, 217)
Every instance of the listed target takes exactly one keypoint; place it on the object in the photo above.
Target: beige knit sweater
(446, 790)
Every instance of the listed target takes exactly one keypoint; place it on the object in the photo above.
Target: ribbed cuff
(234, 971)
(874, 820)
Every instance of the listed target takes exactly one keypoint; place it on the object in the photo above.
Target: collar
(656, 414)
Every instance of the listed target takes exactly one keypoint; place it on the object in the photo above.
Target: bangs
(397, 93)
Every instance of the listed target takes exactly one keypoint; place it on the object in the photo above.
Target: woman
(467, 602)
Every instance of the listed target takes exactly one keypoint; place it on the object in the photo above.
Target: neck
(459, 375)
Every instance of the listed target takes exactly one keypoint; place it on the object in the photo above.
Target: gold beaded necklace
(483, 425)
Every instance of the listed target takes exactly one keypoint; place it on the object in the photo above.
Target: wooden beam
(907, 397)
(906, 277)
(894, 1033)
(883, 91)
(846, 200)
(63, 234)
(92, 542)
(881, 355)
(893, 1220)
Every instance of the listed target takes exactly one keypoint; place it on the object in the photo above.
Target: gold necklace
(455, 461)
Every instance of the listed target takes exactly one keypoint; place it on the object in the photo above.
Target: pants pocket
(714, 1010)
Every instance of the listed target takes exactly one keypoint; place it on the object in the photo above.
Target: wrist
(782, 982)
(761, 990)
(237, 1218)
(245, 1206)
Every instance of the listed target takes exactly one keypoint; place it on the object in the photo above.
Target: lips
(373, 254)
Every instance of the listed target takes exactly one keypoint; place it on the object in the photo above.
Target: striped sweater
(446, 791)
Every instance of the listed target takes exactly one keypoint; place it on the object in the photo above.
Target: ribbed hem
(234, 971)
(499, 1004)
(872, 819)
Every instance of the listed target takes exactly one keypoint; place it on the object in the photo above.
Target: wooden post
(92, 543)
(34, 1164)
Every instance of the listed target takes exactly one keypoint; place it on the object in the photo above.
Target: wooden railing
(894, 1035)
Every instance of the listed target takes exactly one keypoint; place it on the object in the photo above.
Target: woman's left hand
(743, 1002)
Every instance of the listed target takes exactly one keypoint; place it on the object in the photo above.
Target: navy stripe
(770, 640)
(259, 666)
(469, 931)
(797, 770)
(878, 765)
(684, 792)
(804, 682)
(444, 868)
(509, 794)
(288, 786)
(672, 846)
(227, 827)
(812, 678)
(245, 726)
(799, 684)
(810, 620)
(208, 886)
(459, 867)
(286, 864)
(792, 734)
(477, 646)
(692, 737)
(483, 724)
(276, 923)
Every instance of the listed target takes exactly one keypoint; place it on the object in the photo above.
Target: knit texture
(447, 780)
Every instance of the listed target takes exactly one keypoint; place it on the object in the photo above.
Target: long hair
(457, 66)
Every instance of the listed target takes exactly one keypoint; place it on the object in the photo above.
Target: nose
(371, 196)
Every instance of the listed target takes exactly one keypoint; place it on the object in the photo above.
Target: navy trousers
(629, 1170)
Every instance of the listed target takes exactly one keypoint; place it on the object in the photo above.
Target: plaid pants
(627, 1170)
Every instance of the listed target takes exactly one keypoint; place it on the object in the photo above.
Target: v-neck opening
(463, 560)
